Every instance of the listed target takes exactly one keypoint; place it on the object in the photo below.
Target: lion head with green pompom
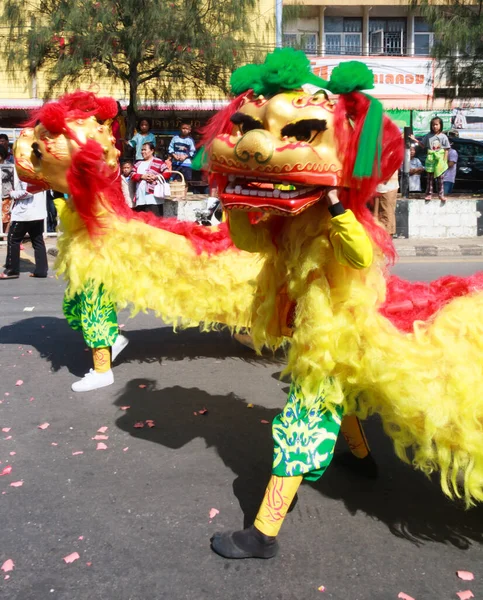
(283, 141)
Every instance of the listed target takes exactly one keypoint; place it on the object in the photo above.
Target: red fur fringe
(359, 193)
(95, 190)
(407, 302)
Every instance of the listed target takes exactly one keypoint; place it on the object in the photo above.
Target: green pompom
(350, 77)
(246, 78)
(283, 69)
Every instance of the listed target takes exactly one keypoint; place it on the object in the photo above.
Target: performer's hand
(332, 196)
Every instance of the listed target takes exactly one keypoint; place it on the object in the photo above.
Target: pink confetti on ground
(404, 596)
(100, 437)
(125, 449)
(7, 394)
(77, 453)
(121, 326)
(142, 385)
(7, 566)
(321, 588)
(89, 564)
(9, 437)
(6, 471)
(124, 407)
(195, 414)
(203, 411)
(139, 424)
(81, 537)
(13, 453)
(7, 577)
(6, 429)
(71, 557)
(214, 512)
(16, 484)
(29, 351)
(465, 575)
(101, 446)
(150, 423)
(466, 595)
(264, 421)
(31, 399)
(43, 425)
(16, 297)
(54, 444)
(19, 382)
(42, 327)
(102, 429)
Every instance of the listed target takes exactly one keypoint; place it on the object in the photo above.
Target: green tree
(458, 42)
(160, 48)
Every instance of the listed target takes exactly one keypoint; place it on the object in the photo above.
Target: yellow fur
(143, 267)
(427, 386)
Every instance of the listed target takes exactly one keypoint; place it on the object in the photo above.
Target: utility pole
(278, 23)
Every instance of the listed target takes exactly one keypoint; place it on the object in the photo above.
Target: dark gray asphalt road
(142, 506)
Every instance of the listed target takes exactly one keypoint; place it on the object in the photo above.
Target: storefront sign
(402, 78)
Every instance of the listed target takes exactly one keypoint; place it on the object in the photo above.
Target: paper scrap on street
(465, 575)
(71, 557)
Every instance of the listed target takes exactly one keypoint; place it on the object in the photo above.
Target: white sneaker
(93, 381)
(118, 346)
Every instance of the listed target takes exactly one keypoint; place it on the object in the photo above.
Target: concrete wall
(456, 219)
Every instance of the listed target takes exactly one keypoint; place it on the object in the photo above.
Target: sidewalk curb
(444, 250)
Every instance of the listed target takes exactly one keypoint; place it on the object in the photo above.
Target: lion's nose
(256, 145)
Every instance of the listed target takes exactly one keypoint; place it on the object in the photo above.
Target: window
(289, 40)
(387, 36)
(343, 35)
(302, 41)
(423, 37)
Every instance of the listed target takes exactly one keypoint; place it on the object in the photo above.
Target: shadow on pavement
(411, 506)
(57, 342)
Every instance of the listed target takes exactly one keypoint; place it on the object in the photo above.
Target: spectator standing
(415, 170)
(28, 215)
(437, 146)
(118, 128)
(7, 186)
(181, 150)
(6, 144)
(51, 211)
(385, 203)
(128, 184)
(142, 137)
(145, 175)
(450, 175)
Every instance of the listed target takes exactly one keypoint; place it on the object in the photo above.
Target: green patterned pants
(304, 438)
(94, 314)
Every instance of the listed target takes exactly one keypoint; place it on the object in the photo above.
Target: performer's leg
(98, 322)
(304, 440)
(360, 459)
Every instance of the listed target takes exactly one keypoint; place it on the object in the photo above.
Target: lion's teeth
(245, 192)
(276, 193)
(229, 189)
(238, 189)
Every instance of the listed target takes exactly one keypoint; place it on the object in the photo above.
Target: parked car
(469, 169)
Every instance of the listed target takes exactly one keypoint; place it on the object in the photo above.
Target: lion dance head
(282, 141)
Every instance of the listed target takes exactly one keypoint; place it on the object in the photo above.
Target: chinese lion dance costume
(309, 271)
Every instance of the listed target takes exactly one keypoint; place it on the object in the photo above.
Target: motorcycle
(212, 215)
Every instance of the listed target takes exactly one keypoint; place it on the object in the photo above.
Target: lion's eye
(36, 150)
(305, 130)
(245, 122)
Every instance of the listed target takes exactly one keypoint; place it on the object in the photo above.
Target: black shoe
(246, 543)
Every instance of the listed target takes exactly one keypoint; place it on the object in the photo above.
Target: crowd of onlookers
(440, 165)
(142, 186)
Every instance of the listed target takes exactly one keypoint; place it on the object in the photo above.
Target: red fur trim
(359, 193)
(220, 123)
(96, 189)
(408, 301)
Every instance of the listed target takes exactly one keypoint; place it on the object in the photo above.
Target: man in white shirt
(28, 215)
